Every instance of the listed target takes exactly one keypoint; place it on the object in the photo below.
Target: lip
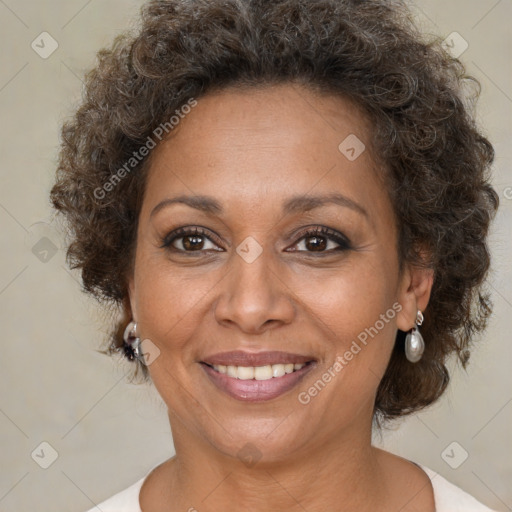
(244, 358)
(253, 390)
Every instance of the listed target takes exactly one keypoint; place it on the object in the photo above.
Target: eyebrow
(306, 203)
(293, 205)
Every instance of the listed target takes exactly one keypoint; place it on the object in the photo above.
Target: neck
(344, 475)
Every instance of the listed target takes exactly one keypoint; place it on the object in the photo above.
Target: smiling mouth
(256, 376)
(266, 372)
(257, 383)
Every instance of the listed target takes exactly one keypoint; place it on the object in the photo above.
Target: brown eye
(315, 243)
(192, 242)
(189, 240)
(321, 240)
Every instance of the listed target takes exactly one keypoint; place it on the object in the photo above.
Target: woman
(290, 201)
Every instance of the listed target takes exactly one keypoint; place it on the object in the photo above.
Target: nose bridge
(253, 279)
(252, 294)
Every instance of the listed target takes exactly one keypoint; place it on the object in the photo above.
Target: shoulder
(450, 498)
(127, 500)
(133, 498)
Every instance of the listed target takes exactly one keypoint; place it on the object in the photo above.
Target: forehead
(232, 115)
(246, 145)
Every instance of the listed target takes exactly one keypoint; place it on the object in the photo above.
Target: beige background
(56, 389)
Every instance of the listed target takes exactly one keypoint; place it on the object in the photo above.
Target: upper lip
(242, 358)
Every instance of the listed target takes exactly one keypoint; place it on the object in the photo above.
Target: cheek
(354, 311)
(169, 308)
(356, 305)
(168, 303)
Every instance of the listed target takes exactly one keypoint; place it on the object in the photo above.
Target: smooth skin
(252, 151)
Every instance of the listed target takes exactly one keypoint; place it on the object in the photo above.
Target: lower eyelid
(339, 248)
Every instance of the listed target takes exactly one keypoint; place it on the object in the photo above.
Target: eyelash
(320, 231)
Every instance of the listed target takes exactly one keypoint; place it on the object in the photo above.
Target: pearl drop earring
(414, 344)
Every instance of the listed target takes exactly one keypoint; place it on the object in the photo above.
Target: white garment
(448, 497)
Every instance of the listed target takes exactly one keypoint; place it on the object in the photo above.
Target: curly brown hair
(437, 163)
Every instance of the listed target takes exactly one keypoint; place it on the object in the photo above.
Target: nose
(254, 297)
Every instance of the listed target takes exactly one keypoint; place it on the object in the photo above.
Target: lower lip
(253, 390)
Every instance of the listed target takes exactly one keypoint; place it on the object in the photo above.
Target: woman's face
(280, 250)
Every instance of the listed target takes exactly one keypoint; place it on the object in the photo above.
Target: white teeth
(278, 370)
(258, 372)
(262, 372)
(230, 370)
(245, 372)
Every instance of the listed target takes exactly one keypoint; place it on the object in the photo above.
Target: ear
(414, 293)
(130, 303)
